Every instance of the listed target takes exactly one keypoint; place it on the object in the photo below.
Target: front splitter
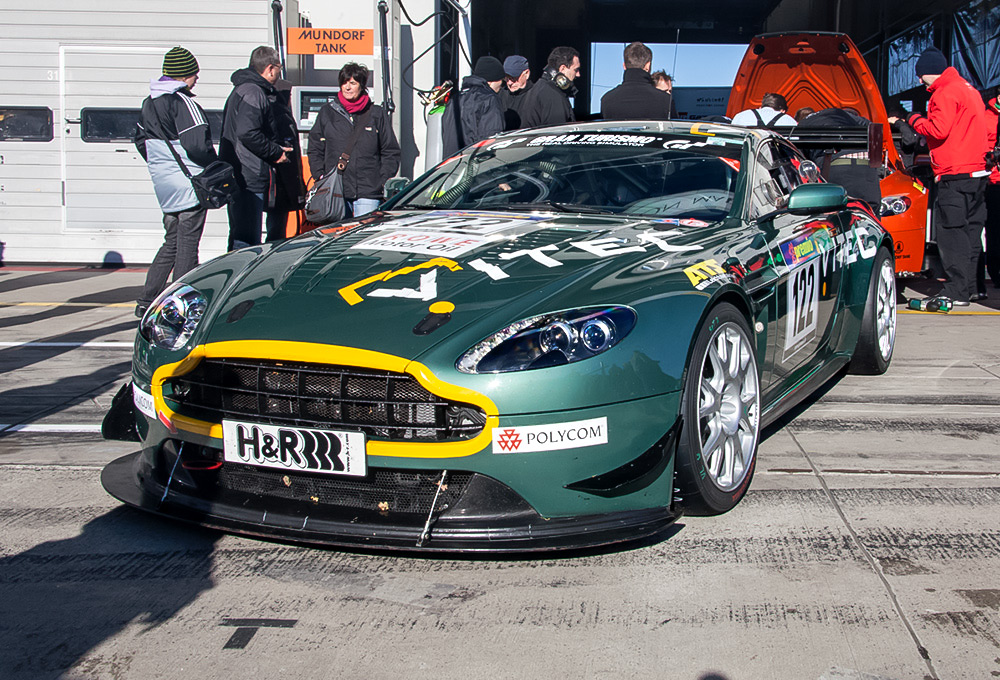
(520, 533)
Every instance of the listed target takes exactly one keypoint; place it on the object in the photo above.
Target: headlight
(549, 340)
(173, 317)
(894, 205)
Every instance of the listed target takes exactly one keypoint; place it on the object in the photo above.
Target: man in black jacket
(171, 118)
(252, 143)
(636, 98)
(474, 113)
(548, 101)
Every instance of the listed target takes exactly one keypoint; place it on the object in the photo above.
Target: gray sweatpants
(179, 251)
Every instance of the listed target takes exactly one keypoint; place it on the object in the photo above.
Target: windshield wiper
(561, 207)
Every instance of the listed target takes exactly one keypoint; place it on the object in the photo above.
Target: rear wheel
(878, 323)
(717, 451)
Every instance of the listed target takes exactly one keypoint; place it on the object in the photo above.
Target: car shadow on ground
(126, 294)
(63, 598)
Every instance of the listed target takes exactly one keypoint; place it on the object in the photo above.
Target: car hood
(454, 272)
(818, 70)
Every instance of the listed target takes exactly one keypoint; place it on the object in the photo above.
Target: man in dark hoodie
(474, 113)
(636, 98)
(252, 143)
(170, 116)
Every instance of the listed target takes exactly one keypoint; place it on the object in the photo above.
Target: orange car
(826, 70)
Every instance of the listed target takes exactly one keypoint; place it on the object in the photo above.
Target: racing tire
(878, 323)
(720, 408)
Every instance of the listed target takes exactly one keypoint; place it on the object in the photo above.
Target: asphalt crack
(872, 562)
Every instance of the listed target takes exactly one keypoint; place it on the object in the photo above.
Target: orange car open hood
(819, 70)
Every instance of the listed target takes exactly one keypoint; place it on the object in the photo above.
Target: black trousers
(959, 218)
(179, 252)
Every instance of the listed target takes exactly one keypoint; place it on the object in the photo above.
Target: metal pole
(387, 103)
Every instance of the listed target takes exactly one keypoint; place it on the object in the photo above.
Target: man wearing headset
(548, 101)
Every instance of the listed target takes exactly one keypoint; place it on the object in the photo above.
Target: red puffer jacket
(955, 126)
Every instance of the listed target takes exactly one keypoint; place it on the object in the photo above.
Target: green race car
(560, 338)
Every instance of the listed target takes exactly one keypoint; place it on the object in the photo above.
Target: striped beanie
(179, 63)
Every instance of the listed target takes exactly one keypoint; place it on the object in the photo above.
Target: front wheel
(717, 451)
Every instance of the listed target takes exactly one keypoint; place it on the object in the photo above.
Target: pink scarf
(357, 106)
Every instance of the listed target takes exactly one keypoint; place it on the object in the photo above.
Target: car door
(808, 253)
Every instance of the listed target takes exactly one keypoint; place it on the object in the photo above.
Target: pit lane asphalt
(867, 548)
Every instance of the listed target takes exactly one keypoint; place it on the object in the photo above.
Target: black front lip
(521, 532)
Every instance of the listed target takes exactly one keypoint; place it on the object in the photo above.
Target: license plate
(294, 449)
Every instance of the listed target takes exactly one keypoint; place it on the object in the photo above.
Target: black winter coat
(512, 103)
(251, 140)
(635, 99)
(479, 111)
(374, 159)
(546, 104)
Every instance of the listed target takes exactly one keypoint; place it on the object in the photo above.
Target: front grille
(382, 404)
(383, 490)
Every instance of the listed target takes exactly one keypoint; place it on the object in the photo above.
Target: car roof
(692, 128)
(818, 70)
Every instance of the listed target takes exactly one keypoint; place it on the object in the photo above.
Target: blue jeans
(245, 214)
(360, 206)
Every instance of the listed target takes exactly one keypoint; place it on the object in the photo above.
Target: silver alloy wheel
(885, 309)
(728, 407)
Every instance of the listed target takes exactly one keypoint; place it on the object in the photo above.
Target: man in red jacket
(956, 130)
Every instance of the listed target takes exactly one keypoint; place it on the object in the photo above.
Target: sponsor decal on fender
(705, 273)
(553, 437)
(144, 402)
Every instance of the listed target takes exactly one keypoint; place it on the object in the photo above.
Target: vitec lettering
(295, 449)
(554, 437)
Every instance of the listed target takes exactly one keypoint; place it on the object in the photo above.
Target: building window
(975, 49)
(25, 124)
(903, 54)
(119, 125)
(108, 125)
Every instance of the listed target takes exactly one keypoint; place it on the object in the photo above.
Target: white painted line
(71, 429)
(85, 345)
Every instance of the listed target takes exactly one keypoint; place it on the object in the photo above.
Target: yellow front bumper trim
(306, 352)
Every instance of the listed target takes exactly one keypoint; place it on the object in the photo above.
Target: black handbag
(325, 203)
(215, 186)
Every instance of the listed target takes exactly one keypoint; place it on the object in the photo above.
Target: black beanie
(931, 63)
(489, 69)
(179, 63)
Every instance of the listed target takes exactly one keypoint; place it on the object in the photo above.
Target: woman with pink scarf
(374, 156)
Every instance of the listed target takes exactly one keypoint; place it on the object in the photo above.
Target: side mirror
(809, 199)
(394, 186)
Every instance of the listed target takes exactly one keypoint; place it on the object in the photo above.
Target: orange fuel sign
(331, 41)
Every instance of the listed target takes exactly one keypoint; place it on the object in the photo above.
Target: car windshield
(634, 174)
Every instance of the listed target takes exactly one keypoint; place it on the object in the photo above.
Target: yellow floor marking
(67, 304)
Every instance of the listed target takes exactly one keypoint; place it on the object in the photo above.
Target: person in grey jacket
(252, 142)
(474, 113)
(375, 156)
(170, 116)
